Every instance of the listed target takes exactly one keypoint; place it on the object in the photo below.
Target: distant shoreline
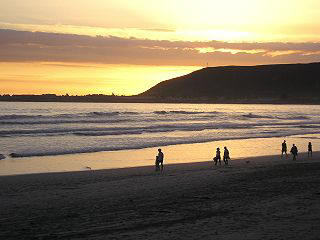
(136, 99)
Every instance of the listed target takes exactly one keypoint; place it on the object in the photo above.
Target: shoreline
(253, 161)
(253, 198)
(174, 154)
(13, 155)
(192, 101)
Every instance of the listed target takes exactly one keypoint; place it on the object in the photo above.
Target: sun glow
(165, 35)
(226, 50)
(152, 34)
(174, 34)
(82, 79)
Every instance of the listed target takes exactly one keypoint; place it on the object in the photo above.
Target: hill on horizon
(284, 81)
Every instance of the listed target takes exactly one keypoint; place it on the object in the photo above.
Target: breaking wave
(251, 115)
(183, 112)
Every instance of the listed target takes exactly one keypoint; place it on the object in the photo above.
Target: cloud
(25, 46)
(158, 30)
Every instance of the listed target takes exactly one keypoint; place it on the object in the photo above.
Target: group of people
(216, 159)
(226, 156)
(294, 150)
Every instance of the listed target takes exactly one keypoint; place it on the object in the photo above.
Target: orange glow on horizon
(82, 79)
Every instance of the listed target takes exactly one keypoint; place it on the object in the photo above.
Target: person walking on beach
(284, 148)
(217, 157)
(310, 149)
(159, 160)
(226, 156)
(294, 151)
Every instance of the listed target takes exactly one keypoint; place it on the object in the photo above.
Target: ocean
(45, 129)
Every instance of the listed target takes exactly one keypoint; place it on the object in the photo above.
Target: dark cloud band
(22, 46)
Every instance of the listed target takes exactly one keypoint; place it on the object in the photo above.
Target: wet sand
(254, 198)
(174, 154)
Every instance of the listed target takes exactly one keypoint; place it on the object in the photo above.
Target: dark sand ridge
(254, 198)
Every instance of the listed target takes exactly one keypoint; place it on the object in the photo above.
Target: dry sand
(260, 198)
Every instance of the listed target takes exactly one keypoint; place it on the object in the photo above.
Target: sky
(125, 47)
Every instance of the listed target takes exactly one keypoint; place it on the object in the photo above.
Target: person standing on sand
(310, 149)
(160, 158)
(157, 164)
(284, 148)
(294, 151)
(217, 157)
(226, 156)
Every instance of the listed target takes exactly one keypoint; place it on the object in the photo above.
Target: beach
(253, 198)
(174, 154)
(64, 137)
(118, 119)
(86, 171)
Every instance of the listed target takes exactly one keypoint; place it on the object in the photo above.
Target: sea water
(43, 129)
(48, 129)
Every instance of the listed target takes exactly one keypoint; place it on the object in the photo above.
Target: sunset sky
(125, 47)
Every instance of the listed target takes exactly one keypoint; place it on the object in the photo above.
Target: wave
(15, 116)
(111, 128)
(251, 115)
(111, 148)
(315, 126)
(104, 131)
(63, 121)
(102, 114)
(142, 145)
(107, 133)
(294, 118)
(65, 115)
(183, 112)
(157, 128)
(160, 112)
(81, 120)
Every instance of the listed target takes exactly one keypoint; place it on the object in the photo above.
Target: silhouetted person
(157, 164)
(284, 148)
(160, 158)
(217, 157)
(310, 149)
(294, 151)
(226, 156)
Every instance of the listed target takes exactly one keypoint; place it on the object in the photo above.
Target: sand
(174, 154)
(254, 198)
